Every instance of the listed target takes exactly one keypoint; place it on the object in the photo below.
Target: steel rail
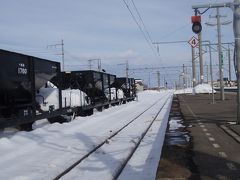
(138, 143)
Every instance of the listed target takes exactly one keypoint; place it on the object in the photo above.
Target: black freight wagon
(21, 76)
(97, 85)
(128, 87)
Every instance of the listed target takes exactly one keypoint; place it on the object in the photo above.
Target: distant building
(139, 84)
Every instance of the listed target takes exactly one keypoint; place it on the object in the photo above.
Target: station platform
(213, 151)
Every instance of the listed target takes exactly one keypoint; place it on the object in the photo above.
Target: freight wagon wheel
(106, 106)
(89, 112)
(59, 119)
(100, 108)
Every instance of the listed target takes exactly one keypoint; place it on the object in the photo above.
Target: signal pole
(193, 68)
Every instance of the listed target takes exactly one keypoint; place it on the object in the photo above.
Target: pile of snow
(204, 88)
(120, 94)
(201, 88)
(114, 95)
(48, 98)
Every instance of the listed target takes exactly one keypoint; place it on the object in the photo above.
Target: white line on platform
(223, 154)
(231, 166)
(202, 126)
(205, 129)
(211, 139)
(216, 146)
(208, 134)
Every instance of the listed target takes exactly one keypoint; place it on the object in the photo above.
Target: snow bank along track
(155, 109)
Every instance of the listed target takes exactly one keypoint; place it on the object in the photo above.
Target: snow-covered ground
(49, 149)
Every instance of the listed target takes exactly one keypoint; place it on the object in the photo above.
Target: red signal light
(196, 27)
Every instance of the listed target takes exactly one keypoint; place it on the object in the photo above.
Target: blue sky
(105, 29)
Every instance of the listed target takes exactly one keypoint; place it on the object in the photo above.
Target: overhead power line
(144, 31)
(141, 19)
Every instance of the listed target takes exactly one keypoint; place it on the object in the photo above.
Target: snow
(48, 97)
(200, 88)
(119, 93)
(49, 149)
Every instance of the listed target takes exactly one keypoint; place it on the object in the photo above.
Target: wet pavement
(176, 159)
(177, 133)
(197, 144)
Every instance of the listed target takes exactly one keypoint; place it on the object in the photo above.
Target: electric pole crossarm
(217, 5)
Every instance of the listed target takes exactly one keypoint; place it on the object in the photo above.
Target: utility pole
(127, 69)
(220, 55)
(236, 28)
(165, 83)
(98, 61)
(211, 71)
(62, 44)
(206, 65)
(149, 79)
(184, 78)
(62, 53)
(99, 65)
(90, 64)
(158, 79)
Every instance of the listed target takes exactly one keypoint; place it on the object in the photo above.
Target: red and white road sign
(193, 42)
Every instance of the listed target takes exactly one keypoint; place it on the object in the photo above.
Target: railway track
(126, 127)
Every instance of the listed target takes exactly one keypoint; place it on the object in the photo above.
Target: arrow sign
(193, 42)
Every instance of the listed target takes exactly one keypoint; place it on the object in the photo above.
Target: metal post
(236, 28)
(229, 64)
(220, 56)
(200, 57)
